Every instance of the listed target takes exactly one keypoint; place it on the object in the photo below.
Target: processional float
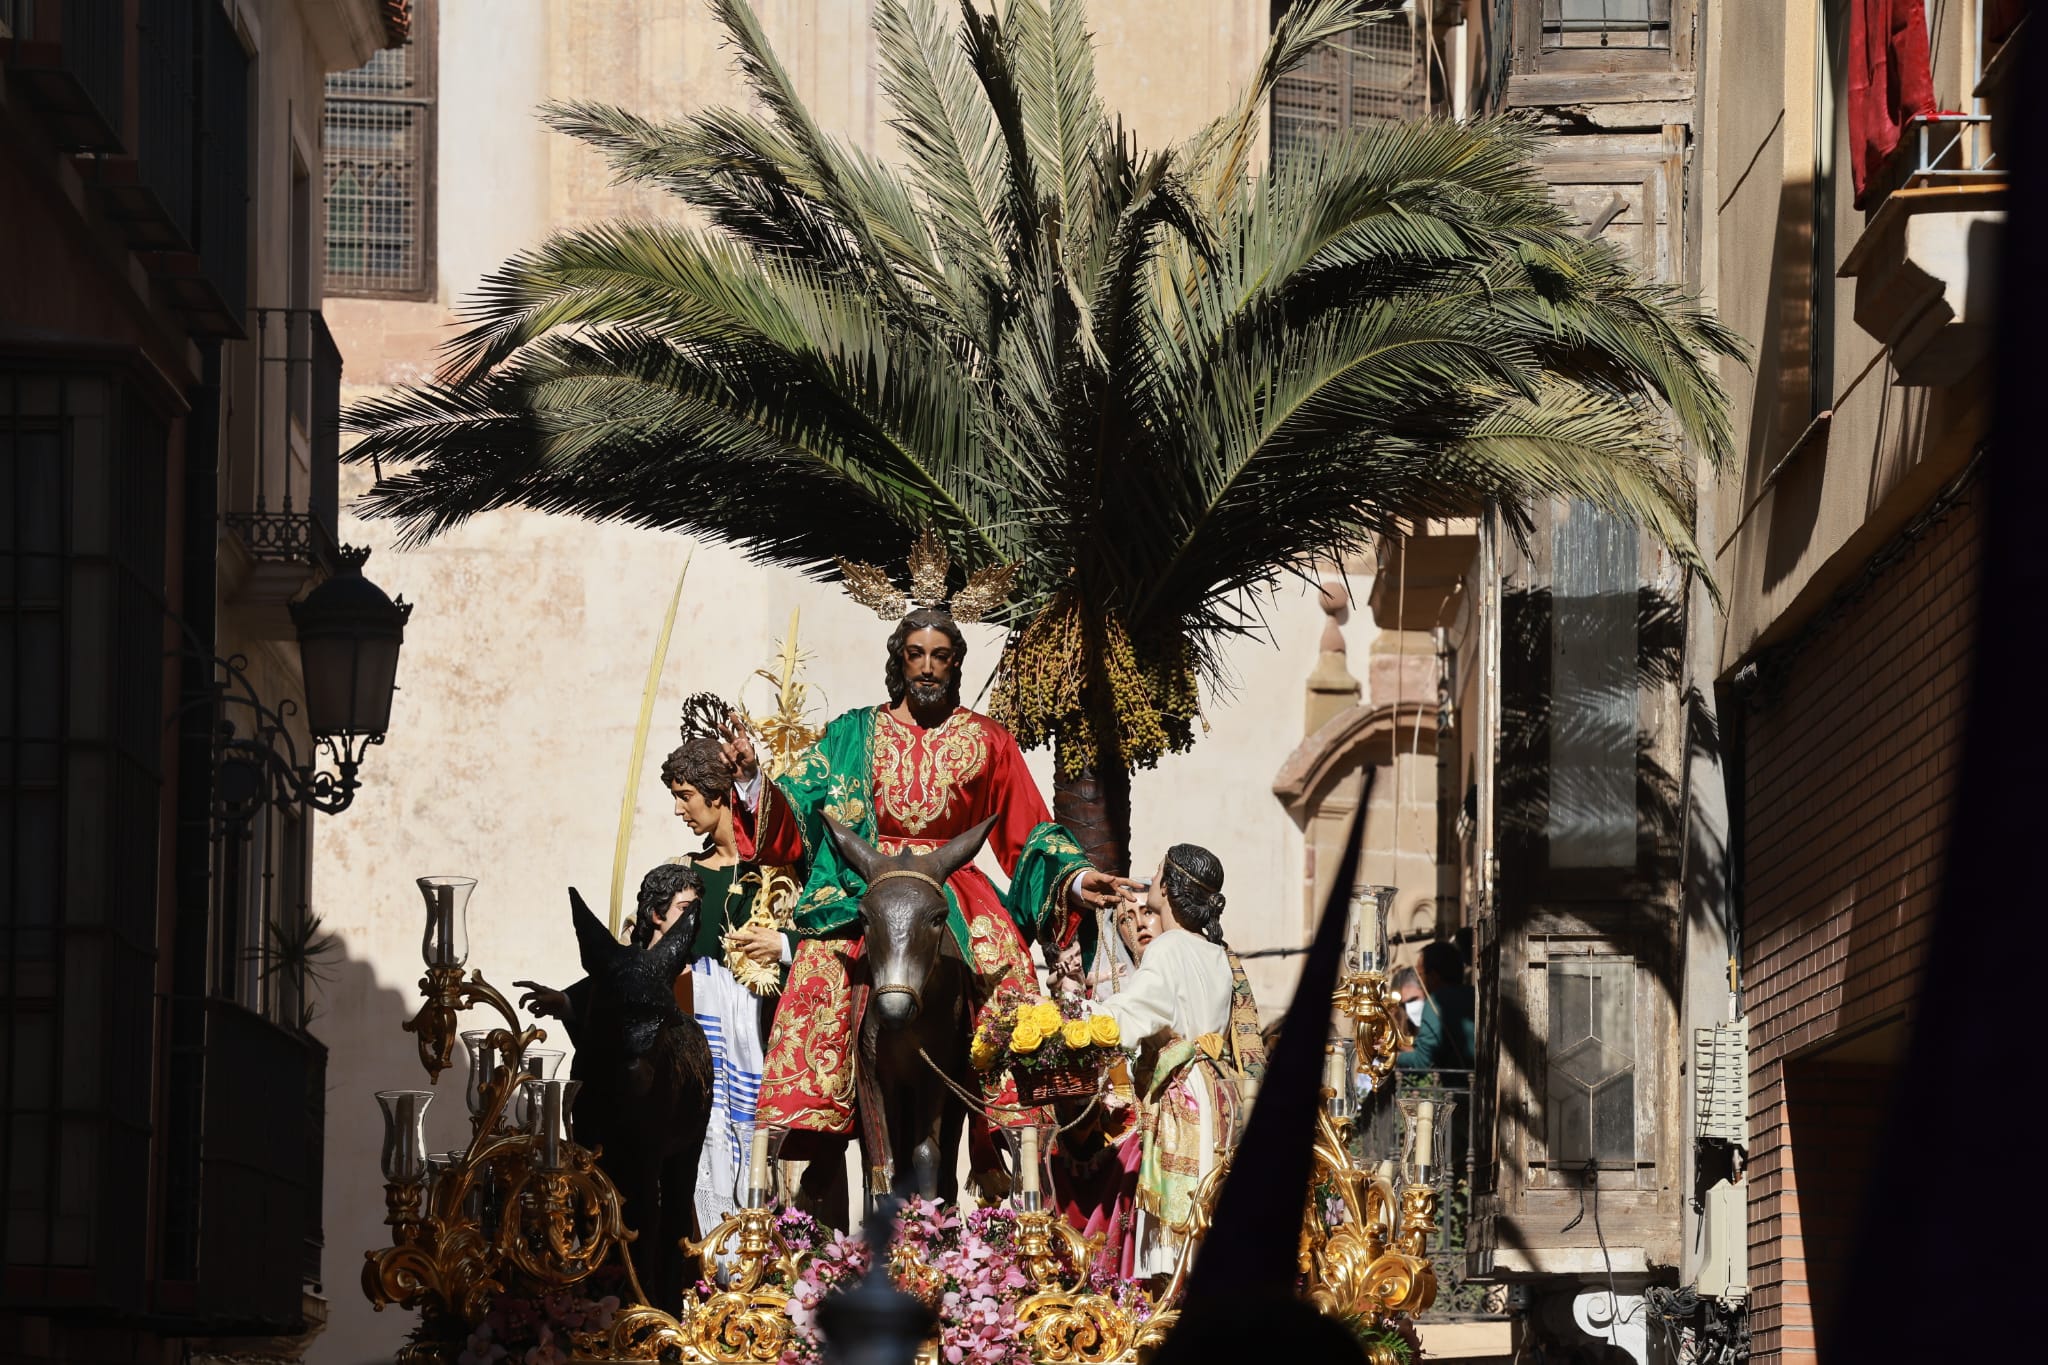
(523, 1223)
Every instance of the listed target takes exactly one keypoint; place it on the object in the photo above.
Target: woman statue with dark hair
(1189, 1010)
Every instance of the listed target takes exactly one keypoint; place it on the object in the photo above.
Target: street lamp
(350, 632)
(349, 637)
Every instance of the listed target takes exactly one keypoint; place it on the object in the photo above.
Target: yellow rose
(1026, 1039)
(983, 1052)
(1103, 1030)
(1045, 1016)
(1074, 1033)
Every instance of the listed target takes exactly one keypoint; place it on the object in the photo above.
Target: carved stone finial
(1336, 604)
(1331, 687)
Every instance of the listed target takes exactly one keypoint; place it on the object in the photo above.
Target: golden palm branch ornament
(785, 732)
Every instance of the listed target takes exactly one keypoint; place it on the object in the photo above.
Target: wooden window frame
(1532, 56)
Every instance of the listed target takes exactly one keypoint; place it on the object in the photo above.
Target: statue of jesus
(907, 775)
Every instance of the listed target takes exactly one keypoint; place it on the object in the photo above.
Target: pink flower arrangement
(536, 1330)
(968, 1271)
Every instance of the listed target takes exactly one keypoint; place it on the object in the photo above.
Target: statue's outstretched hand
(1098, 890)
(543, 1002)
(737, 747)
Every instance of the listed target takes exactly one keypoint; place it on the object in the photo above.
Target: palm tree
(1155, 381)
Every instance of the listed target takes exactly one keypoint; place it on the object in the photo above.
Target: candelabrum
(522, 1203)
(524, 1210)
(1365, 1236)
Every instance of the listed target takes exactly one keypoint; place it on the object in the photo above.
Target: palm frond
(1062, 113)
(1153, 380)
(944, 119)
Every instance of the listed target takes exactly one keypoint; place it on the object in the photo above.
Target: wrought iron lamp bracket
(281, 779)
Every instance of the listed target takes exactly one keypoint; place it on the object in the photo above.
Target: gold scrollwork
(1076, 1329)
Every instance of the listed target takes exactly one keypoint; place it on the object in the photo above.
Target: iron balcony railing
(291, 519)
(1458, 1297)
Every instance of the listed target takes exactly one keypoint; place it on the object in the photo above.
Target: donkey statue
(646, 1093)
(919, 1017)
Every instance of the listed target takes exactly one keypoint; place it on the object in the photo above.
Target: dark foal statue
(921, 995)
(646, 1094)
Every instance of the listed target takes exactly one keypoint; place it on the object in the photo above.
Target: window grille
(81, 712)
(1374, 74)
(378, 146)
(1606, 23)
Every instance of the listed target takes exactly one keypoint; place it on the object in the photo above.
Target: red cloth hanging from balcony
(1889, 78)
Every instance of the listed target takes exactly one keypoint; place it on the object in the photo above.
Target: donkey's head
(632, 989)
(903, 914)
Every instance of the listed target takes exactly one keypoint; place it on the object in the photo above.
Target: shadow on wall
(366, 1060)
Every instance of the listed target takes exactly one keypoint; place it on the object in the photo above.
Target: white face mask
(1414, 1012)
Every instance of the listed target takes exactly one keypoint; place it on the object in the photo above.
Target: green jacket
(1444, 1040)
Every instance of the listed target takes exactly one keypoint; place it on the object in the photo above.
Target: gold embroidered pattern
(808, 1072)
(917, 774)
(843, 804)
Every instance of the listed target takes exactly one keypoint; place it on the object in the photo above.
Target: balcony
(1926, 265)
(70, 58)
(1420, 573)
(178, 193)
(1470, 1318)
(283, 535)
(247, 1226)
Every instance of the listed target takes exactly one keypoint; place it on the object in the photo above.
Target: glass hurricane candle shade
(1368, 940)
(1340, 1077)
(1026, 1144)
(757, 1176)
(1427, 1152)
(446, 940)
(548, 1105)
(483, 1065)
(537, 1064)
(405, 1135)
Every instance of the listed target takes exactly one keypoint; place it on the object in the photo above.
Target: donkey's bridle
(933, 882)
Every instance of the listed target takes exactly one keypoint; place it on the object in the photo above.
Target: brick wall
(1848, 766)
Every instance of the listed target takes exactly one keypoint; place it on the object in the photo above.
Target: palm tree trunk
(1095, 806)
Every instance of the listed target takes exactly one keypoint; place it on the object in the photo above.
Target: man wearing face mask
(1443, 1035)
(1408, 986)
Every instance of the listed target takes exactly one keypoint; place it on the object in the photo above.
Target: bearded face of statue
(925, 656)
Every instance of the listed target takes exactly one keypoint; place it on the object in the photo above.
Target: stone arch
(1324, 779)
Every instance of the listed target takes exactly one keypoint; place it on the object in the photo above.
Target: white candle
(757, 1162)
(1425, 1138)
(1027, 1160)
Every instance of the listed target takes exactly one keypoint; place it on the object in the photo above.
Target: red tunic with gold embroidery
(900, 786)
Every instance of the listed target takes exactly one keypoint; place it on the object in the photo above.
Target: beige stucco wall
(1790, 530)
(524, 663)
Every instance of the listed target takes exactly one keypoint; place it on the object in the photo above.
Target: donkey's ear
(958, 851)
(594, 943)
(671, 953)
(860, 855)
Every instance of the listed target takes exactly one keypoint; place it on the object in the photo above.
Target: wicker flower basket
(1056, 1083)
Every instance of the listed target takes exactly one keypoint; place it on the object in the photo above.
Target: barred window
(1606, 23)
(378, 145)
(1376, 73)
